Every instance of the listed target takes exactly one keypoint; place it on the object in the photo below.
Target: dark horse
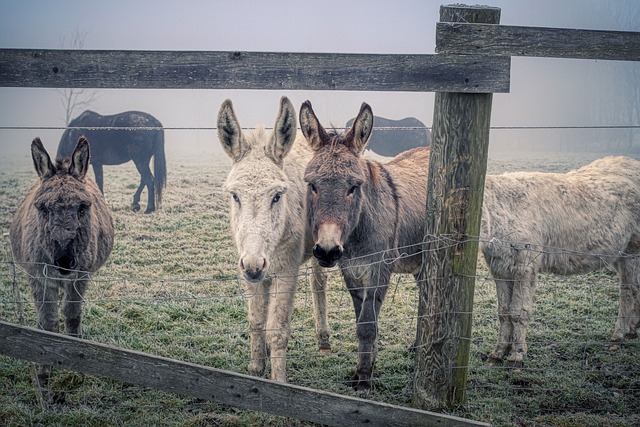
(115, 140)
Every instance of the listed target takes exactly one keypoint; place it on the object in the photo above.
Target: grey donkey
(61, 233)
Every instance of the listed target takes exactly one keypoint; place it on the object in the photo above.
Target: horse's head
(63, 202)
(334, 176)
(257, 185)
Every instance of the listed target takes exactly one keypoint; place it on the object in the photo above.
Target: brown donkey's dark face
(63, 206)
(335, 176)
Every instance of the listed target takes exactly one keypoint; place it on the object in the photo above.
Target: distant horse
(361, 212)
(391, 137)
(572, 223)
(111, 145)
(268, 219)
(61, 233)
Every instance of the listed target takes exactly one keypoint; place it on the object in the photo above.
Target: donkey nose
(253, 268)
(327, 258)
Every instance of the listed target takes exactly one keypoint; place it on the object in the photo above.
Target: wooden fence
(472, 63)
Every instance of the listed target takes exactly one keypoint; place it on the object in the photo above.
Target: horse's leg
(319, 295)
(282, 292)
(72, 306)
(45, 296)
(97, 171)
(629, 303)
(504, 290)
(146, 179)
(257, 303)
(367, 328)
(521, 311)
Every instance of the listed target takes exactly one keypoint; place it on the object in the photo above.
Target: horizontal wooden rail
(252, 70)
(501, 40)
(211, 384)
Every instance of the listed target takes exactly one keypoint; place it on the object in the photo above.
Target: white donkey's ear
(41, 160)
(311, 128)
(229, 132)
(284, 131)
(357, 137)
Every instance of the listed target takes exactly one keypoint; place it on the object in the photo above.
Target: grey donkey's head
(334, 176)
(63, 204)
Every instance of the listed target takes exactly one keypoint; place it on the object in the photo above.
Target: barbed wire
(383, 128)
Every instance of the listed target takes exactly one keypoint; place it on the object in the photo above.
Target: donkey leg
(504, 289)
(521, 311)
(629, 303)
(367, 329)
(72, 306)
(319, 295)
(279, 323)
(45, 296)
(257, 302)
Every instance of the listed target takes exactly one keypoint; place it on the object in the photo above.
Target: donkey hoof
(516, 365)
(493, 360)
(324, 350)
(615, 345)
(148, 211)
(360, 385)
(135, 207)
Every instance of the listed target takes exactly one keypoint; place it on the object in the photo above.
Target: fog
(544, 92)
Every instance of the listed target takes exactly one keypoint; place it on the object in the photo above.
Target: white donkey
(269, 222)
(549, 222)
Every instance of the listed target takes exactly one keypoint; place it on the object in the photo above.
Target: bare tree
(73, 98)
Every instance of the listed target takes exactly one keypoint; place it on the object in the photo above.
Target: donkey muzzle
(327, 257)
(65, 258)
(328, 248)
(253, 268)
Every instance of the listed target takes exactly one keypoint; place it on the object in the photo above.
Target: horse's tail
(159, 167)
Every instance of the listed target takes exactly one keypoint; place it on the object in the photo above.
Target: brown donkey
(61, 232)
(365, 216)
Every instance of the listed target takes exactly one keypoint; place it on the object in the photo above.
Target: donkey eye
(235, 198)
(276, 198)
(352, 190)
(313, 188)
(83, 208)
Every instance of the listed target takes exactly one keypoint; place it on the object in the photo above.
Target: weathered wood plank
(216, 385)
(457, 168)
(486, 39)
(252, 70)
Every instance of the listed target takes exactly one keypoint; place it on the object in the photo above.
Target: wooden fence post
(457, 169)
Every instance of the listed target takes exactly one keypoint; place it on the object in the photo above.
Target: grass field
(170, 288)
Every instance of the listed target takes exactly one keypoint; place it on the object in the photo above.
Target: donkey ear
(80, 159)
(284, 131)
(360, 132)
(41, 160)
(311, 128)
(229, 132)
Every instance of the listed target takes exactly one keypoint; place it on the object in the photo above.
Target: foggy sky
(544, 92)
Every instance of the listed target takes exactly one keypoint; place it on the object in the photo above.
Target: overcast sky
(543, 91)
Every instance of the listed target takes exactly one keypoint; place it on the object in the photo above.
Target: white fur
(268, 220)
(547, 222)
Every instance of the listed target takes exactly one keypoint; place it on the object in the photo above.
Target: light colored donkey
(547, 222)
(269, 222)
